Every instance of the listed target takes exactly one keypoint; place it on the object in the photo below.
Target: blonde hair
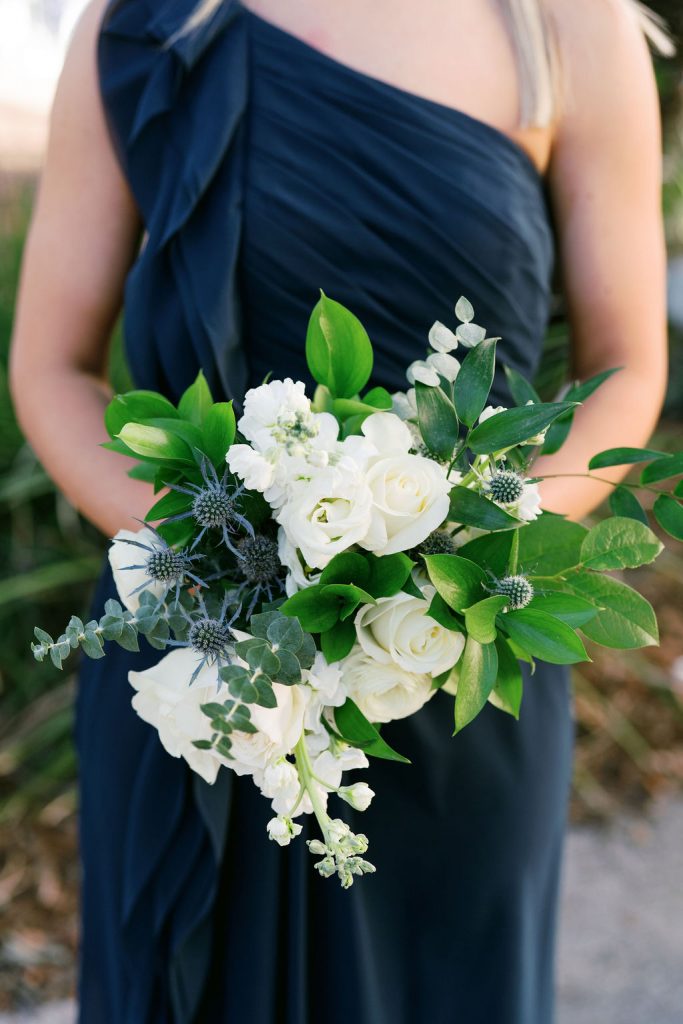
(535, 47)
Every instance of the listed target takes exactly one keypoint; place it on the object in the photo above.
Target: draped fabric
(265, 170)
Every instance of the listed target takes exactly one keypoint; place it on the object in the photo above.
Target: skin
(601, 156)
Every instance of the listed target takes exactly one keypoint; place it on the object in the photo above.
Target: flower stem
(514, 553)
(305, 769)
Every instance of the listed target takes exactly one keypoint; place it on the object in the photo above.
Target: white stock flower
(166, 701)
(274, 412)
(297, 577)
(328, 513)
(326, 681)
(398, 630)
(359, 795)
(529, 505)
(384, 691)
(257, 472)
(122, 554)
(281, 785)
(409, 493)
(442, 338)
(282, 830)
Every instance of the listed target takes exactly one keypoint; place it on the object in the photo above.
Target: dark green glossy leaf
(514, 426)
(623, 502)
(196, 401)
(543, 636)
(663, 469)
(437, 419)
(338, 350)
(622, 457)
(460, 582)
(624, 619)
(473, 383)
(354, 727)
(669, 514)
(472, 509)
(619, 543)
(476, 677)
(218, 430)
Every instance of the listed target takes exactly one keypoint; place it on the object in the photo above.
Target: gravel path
(621, 942)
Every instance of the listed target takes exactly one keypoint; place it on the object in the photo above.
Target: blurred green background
(629, 707)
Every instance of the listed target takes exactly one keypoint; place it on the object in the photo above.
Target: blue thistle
(164, 564)
(215, 506)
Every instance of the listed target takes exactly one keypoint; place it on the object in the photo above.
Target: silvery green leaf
(470, 335)
(113, 607)
(129, 638)
(290, 668)
(464, 310)
(442, 338)
(111, 626)
(41, 635)
(92, 645)
(286, 632)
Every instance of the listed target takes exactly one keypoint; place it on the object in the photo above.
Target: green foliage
(477, 672)
(473, 383)
(514, 426)
(338, 349)
(438, 420)
(356, 730)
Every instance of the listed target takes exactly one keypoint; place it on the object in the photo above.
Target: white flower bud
(359, 795)
(282, 830)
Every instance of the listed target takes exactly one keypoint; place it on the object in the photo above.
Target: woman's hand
(83, 238)
(605, 180)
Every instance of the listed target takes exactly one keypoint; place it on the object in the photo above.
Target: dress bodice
(265, 170)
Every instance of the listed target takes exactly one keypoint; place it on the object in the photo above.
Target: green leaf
(196, 401)
(480, 618)
(624, 618)
(578, 392)
(663, 469)
(460, 582)
(347, 567)
(218, 430)
(317, 612)
(550, 545)
(473, 383)
(507, 690)
(491, 551)
(349, 596)
(669, 514)
(92, 645)
(544, 636)
(338, 350)
(622, 457)
(441, 613)
(514, 426)
(155, 443)
(623, 502)
(437, 419)
(379, 398)
(343, 408)
(357, 731)
(619, 543)
(286, 633)
(388, 573)
(476, 677)
(128, 638)
(521, 390)
(133, 407)
(472, 509)
(170, 504)
(573, 610)
(145, 471)
(337, 642)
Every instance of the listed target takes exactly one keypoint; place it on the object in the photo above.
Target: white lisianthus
(281, 785)
(257, 471)
(409, 493)
(384, 691)
(166, 701)
(328, 513)
(442, 338)
(399, 630)
(297, 577)
(121, 554)
(359, 795)
(282, 830)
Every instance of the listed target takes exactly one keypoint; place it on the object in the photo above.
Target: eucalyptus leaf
(464, 310)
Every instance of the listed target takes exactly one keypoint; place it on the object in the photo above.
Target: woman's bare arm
(605, 178)
(83, 238)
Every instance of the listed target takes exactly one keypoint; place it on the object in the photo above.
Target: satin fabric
(264, 171)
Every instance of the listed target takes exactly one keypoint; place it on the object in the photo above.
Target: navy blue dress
(265, 170)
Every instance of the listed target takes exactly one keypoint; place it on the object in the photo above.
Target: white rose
(384, 692)
(328, 513)
(442, 338)
(398, 629)
(410, 493)
(166, 701)
(124, 552)
(279, 730)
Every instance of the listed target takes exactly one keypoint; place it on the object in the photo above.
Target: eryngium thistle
(439, 542)
(259, 561)
(518, 590)
(167, 566)
(210, 637)
(506, 486)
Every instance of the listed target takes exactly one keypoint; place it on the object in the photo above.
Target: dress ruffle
(186, 169)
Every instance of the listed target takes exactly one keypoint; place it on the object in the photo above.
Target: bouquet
(325, 565)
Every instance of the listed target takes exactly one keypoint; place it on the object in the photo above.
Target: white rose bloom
(279, 730)
(281, 785)
(165, 700)
(382, 691)
(409, 492)
(328, 513)
(359, 795)
(283, 830)
(122, 554)
(419, 370)
(442, 338)
(398, 630)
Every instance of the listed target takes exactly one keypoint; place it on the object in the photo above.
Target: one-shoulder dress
(265, 170)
